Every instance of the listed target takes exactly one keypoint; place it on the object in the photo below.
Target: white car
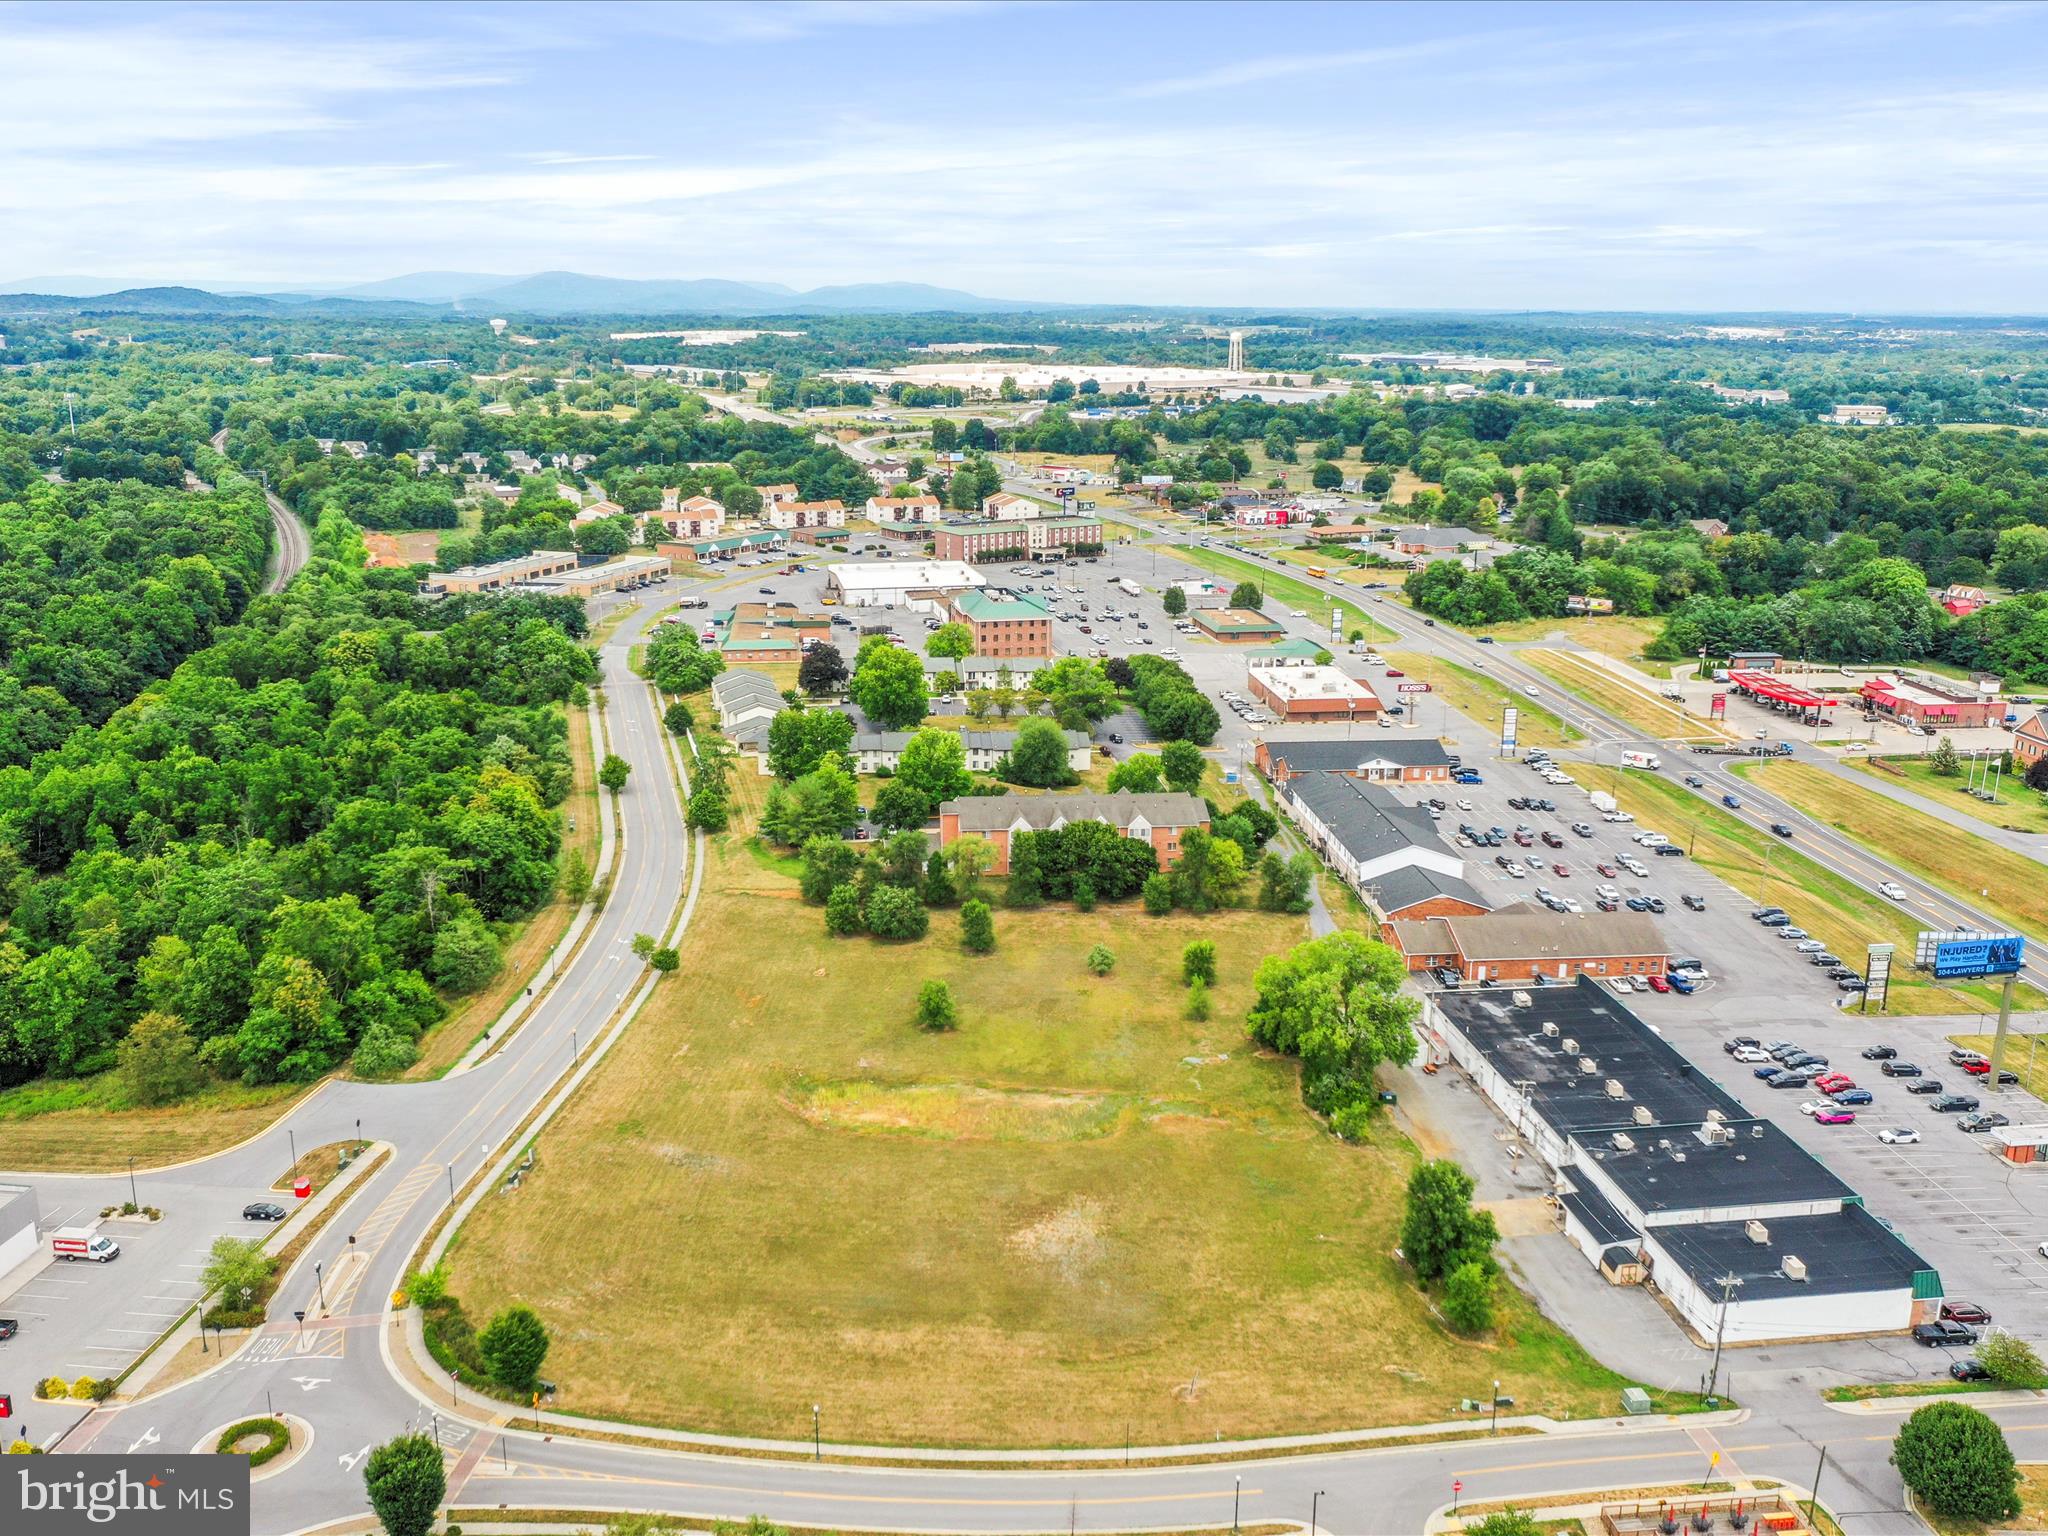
(1809, 946)
(1815, 1106)
(1620, 984)
(1571, 904)
(1515, 872)
(1464, 805)
(1857, 746)
(1607, 892)
(1531, 690)
(1905, 1136)
(1751, 1053)
(1893, 889)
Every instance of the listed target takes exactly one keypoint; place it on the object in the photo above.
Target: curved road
(332, 1372)
(338, 1373)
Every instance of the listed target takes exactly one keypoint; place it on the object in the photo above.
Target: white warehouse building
(1662, 1177)
(920, 584)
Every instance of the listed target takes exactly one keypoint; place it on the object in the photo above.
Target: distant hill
(539, 293)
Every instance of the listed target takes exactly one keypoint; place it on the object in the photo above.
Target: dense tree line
(289, 842)
(107, 585)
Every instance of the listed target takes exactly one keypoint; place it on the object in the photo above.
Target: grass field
(1286, 591)
(1639, 707)
(1841, 914)
(1614, 635)
(1079, 1217)
(2019, 809)
(84, 1126)
(1480, 699)
(2033, 1514)
(2008, 885)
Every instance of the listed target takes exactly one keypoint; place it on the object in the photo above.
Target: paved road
(332, 1372)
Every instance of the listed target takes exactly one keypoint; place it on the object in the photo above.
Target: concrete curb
(2018, 1397)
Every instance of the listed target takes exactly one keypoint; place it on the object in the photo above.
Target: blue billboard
(1951, 955)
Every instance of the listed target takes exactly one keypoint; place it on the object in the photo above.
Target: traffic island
(271, 1442)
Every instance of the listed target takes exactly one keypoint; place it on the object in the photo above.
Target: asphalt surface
(336, 1375)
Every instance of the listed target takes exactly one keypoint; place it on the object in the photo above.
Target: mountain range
(538, 293)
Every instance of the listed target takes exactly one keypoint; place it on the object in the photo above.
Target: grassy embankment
(2019, 809)
(1479, 699)
(1079, 1217)
(1834, 909)
(1286, 590)
(1638, 706)
(2033, 1514)
(1616, 635)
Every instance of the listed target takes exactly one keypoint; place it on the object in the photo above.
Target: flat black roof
(1689, 1168)
(1599, 1217)
(1621, 1047)
(1845, 1251)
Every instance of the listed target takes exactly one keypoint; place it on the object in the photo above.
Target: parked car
(1991, 1120)
(1750, 1053)
(1835, 1116)
(1659, 984)
(1925, 1086)
(263, 1210)
(1898, 1136)
(1693, 903)
(8, 1327)
(1899, 1069)
(1969, 1370)
(1854, 1096)
(1938, 1335)
(1965, 1312)
(1954, 1104)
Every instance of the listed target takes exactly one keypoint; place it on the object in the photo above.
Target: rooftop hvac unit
(1615, 1090)
(1522, 1001)
(1715, 1117)
(1642, 1115)
(1794, 1267)
(1757, 1233)
(1756, 1132)
(1571, 1046)
(1623, 1142)
(1588, 1065)
(1715, 1134)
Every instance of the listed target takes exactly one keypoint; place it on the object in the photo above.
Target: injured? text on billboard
(1966, 953)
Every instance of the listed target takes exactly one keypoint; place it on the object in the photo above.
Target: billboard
(1877, 975)
(1508, 719)
(1411, 687)
(1719, 708)
(1967, 953)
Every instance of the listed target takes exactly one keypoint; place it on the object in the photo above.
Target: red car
(1395, 672)
(1607, 871)
(1977, 1066)
(1564, 870)
(1659, 984)
(1965, 1312)
(1834, 1082)
(1835, 1117)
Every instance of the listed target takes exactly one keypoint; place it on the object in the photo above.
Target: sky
(1614, 156)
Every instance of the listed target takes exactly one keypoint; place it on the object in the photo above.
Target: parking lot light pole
(133, 1198)
(817, 1445)
(1496, 1408)
(1314, 1508)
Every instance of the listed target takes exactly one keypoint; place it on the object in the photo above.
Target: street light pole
(1496, 1408)
(1236, 1502)
(133, 1198)
(817, 1445)
(320, 1286)
(1813, 1502)
(1314, 1507)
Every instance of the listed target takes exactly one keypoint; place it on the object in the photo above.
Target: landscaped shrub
(842, 911)
(894, 913)
(1198, 1000)
(1198, 962)
(277, 1437)
(53, 1387)
(935, 1010)
(1101, 960)
(513, 1346)
(977, 928)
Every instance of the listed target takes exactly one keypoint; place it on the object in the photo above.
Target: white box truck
(74, 1243)
(1602, 801)
(1128, 586)
(1641, 760)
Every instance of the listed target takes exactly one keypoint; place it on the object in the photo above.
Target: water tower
(1237, 351)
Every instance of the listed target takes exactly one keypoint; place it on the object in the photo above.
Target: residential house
(1708, 527)
(989, 671)
(1962, 601)
(2030, 741)
(986, 748)
(747, 704)
(773, 496)
(1159, 819)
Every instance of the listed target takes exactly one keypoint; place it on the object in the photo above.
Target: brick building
(1004, 623)
(1933, 704)
(1304, 693)
(1238, 626)
(1009, 541)
(500, 574)
(1419, 761)
(1516, 942)
(1159, 819)
(2030, 740)
(805, 514)
(754, 633)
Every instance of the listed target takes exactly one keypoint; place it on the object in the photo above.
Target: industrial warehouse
(1662, 1178)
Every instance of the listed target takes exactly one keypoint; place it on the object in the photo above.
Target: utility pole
(1813, 1500)
(1728, 1284)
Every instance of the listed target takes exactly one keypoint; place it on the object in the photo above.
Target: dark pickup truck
(1936, 1335)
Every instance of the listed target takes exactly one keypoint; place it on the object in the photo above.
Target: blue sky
(1859, 156)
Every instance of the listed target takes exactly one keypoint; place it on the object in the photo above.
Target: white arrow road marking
(149, 1437)
(308, 1383)
(348, 1461)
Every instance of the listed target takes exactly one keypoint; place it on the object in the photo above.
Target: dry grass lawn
(1639, 707)
(1079, 1217)
(1616, 635)
(2019, 809)
(1478, 698)
(76, 1126)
